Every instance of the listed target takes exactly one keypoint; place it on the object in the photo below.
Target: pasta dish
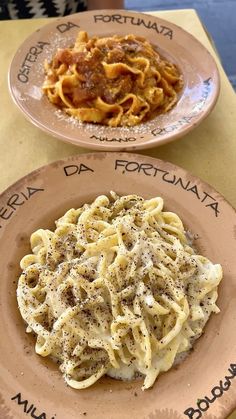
(116, 289)
(114, 81)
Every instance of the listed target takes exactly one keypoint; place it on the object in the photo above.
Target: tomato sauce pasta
(114, 81)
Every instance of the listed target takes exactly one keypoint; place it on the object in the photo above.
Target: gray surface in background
(218, 16)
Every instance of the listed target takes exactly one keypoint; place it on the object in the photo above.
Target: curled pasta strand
(79, 385)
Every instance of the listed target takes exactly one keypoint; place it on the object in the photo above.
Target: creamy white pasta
(116, 289)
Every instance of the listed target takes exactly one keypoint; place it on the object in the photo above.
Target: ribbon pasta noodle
(116, 289)
(114, 81)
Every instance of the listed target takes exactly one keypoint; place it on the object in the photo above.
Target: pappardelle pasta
(114, 81)
(116, 289)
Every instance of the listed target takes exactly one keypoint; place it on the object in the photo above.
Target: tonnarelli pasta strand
(116, 289)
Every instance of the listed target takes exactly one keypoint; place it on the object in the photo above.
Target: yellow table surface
(208, 152)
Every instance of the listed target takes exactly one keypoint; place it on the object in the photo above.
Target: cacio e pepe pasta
(116, 289)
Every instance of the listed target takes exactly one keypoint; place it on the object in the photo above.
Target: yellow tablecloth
(209, 151)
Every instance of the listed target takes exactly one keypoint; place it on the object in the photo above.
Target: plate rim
(104, 152)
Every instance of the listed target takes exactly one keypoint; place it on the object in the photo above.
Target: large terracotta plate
(199, 95)
(200, 382)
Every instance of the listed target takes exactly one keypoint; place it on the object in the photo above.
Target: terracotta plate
(199, 95)
(204, 381)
